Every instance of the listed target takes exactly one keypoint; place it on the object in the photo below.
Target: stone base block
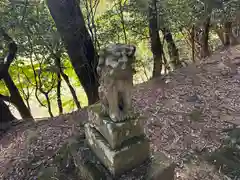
(133, 153)
(114, 132)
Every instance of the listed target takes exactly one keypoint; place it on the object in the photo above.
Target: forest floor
(187, 118)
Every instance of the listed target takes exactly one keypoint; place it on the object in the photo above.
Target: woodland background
(48, 56)
(49, 49)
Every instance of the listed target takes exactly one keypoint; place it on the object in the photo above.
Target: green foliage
(109, 21)
(38, 42)
(3, 89)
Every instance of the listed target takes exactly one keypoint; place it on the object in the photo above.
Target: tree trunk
(66, 79)
(122, 21)
(71, 26)
(220, 33)
(75, 98)
(226, 34)
(9, 58)
(48, 104)
(59, 83)
(229, 39)
(59, 100)
(204, 39)
(172, 48)
(5, 113)
(193, 42)
(156, 45)
(16, 98)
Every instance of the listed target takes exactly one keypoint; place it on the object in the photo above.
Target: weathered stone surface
(133, 153)
(114, 132)
(161, 168)
(116, 80)
(75, 160)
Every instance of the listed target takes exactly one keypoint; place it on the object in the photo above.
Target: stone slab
(114, 132)
(134, 152)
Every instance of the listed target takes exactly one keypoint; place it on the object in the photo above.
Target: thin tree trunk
(46, 92)
(91, 12)
(26, 95)
(48, 104)
(5, 113)
(59, 100)
(27, 99)
(165, 63)
(16, 97)
(156, 45)
(75, 98)
(220, 33)
(122, 20)
(66, 79)
(59, 83)
(193, 42)
(172, 48)
(204, 39)
(227, 32)
(71, 26)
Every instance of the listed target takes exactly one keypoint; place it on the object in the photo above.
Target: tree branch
(12, 51)
(5, 98)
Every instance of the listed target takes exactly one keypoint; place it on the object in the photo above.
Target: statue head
(118, 57)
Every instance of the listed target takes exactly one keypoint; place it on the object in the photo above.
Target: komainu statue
(116, 81)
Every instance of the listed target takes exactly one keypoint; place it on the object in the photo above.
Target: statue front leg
(103, 100)
(127, 97)
(112, 97)
(128, 109)
(128, 100)
(105, 106)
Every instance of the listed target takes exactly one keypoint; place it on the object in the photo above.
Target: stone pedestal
(88, 166)
(119, 146)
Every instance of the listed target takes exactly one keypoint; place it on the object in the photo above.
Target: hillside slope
(183, 116)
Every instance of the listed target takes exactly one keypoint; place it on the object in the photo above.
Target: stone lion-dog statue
(115, 70)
